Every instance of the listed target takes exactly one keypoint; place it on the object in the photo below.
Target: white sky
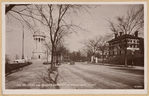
(94, 22)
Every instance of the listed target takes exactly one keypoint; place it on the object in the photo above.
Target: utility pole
(23, 42)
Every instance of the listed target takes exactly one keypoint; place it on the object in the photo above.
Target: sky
(94, 22)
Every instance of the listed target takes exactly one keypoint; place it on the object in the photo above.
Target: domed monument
(39, 47)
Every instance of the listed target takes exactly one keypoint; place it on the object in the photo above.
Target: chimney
(121, 33)
(116, 35)
(136, 33)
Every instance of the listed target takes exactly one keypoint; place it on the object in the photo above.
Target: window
(128, 45)
(133, 46)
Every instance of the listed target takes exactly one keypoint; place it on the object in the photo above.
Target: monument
(39, 47)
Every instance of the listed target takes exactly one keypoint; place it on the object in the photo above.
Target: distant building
(133, 44)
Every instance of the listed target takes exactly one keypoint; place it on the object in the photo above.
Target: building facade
(126, 44)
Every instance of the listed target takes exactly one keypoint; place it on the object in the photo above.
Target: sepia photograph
(74, 48)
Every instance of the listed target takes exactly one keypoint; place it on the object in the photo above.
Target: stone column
(39, 45)
(36, 43)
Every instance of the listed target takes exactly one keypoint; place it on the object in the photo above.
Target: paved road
(78, 76)
(89, 76)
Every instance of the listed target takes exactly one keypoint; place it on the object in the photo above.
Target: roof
(42, 34)
(125, 36)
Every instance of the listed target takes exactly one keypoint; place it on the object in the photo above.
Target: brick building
(134, 44)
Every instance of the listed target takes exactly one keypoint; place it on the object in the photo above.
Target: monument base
(39, 55)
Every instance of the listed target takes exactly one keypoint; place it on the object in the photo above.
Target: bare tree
(91, 46)
(48, 49)
(48, 16)
(61, 52)
(103, 46)
(96, 45)
(134, 21)
(9, 7)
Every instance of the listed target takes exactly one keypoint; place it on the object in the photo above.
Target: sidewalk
(116, 65)
(31, 77)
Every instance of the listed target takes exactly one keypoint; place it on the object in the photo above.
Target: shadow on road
(131, 70)
(135, 69)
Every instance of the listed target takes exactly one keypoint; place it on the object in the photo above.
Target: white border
(143, 2)
(73, 91)
(3, 47)
(145, 48)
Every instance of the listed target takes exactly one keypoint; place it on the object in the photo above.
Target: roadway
(91, 76)
(78, 76)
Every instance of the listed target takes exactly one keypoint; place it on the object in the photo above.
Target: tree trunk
(102, 57)
(57, 59)
(126, 53)
(52, 56)
(47, 55)
(125, 60)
